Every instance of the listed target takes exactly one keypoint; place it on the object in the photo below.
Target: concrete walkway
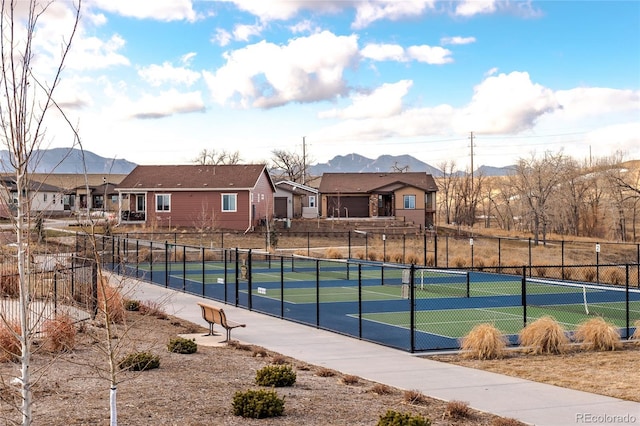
(530, 402)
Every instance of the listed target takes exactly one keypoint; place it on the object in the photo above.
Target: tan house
(235, 197)
(408, 196)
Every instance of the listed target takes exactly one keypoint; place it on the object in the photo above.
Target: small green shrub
(395, 418)
(139, 361)
(257, 404)
(131, 305)
(276, 375)
(180, 345)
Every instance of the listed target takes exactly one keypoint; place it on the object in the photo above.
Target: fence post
(359, 300)
(281, 286)
(349, 244)
(94, 287)
(317, 293)
(499, 252)
(530, 256)
(523, 291)
(424, 245)
(412, 308)
(435, 250)
(166, 263)
(249, 280)
(237, 277)
(627, 297)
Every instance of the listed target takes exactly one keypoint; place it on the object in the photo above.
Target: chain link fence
(402, 305)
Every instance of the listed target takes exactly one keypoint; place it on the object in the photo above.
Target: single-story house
(42, 198)
(410, 196)
(235, 197)
(294, 200)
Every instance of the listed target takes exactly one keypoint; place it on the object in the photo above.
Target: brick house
(409, 196)
(234, 197)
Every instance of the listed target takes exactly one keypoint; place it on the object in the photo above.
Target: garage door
(280, 207)
(347, 206)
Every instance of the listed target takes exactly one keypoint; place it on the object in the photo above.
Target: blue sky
(158, 81)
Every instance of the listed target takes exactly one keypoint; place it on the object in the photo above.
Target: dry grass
(111, 302)
(350, 379)
(9, 283)
(544, 336)
(325, 372)
(458, 410)
(333, 253)
(636, 334)
(152, 308)
(414, 397)
(10, 349)
(598, 335)
(484, 341)
(59, 333)
(382, 389)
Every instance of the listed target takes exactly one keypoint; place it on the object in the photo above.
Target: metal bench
(214, 315)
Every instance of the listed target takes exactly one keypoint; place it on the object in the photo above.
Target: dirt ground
(197, 389)
(611, 373)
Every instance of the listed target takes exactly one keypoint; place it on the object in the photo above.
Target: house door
(280, 207)
(140, 203)
(385, 205)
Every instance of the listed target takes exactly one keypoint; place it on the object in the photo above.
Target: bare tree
(535, 180)
(215, 158)
(289, 165)
(27, 98)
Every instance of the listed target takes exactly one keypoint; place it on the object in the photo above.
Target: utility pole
(304, 162)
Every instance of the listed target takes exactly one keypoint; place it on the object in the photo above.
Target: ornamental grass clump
(10, 348)
(484, 341)
(636, 334)
(544, 336)
(59, 333)
(598, 335)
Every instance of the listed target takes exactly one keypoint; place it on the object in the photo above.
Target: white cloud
(624, 138)
(266, 75)
(384, 101)
(384, 52)
(505, 103)
(157, 75)
(91, 53)
(271, 10)
(162, 105)
(586, 102)
(222, 37)
(245, 32)
(371, 11)
(433, 55)
(161, 10)
(457, 40)
(474, 7)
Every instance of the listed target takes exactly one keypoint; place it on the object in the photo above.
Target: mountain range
(71, 160)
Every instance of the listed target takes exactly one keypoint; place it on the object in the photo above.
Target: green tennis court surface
(457, 323)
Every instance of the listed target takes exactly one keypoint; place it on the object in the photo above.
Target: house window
(229, 202)
(163, 202)
(409, 202)
(312, 201)
(44, 197)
